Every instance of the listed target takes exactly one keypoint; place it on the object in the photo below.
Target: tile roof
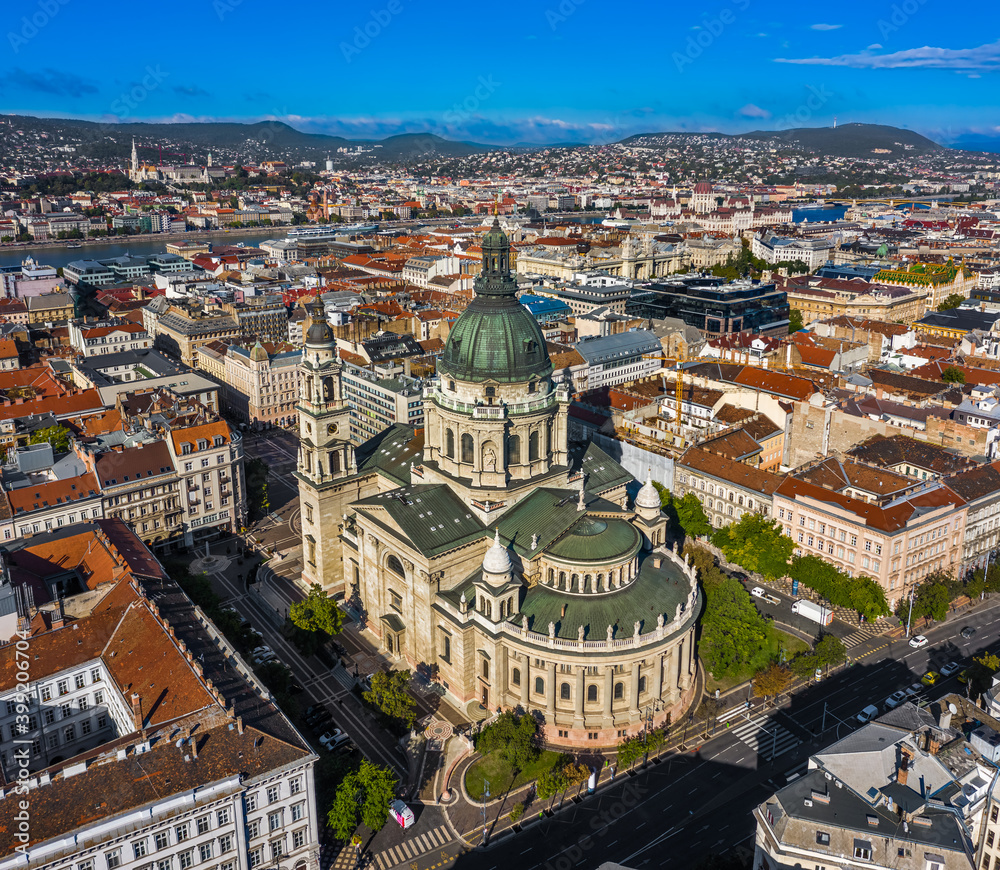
(901, 449)
(736, 473)
(45, 496)
(191, 435)
(131, 464)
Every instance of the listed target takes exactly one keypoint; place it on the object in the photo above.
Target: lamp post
(909, 618)
(486, 797)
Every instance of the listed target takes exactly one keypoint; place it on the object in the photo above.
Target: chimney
(239, 724)
(563, 613)
(933, 744)
(194, 747)
(137, 711)
(57, 615)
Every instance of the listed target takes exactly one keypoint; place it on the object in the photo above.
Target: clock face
(333, 429)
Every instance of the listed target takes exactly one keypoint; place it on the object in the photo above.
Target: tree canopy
(794, 320)
(757, 544)
(363, 796)
(514, 737)
(953, 375)
(58, 436)
(953, 300)
(389, 694)
(859, 593)
(772, 680)
(685, 513)
(317, 612)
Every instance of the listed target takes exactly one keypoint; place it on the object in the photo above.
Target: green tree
(953, 300)
(830, 650)
(794, 320)
(317, 612)
(859, 593)
(953, 375)
(256, 472)
(691, 516)
(756, 543)
(362, 797)
(932, 601)
(58, 436)
(772, 680)
(389, 694)
(630, 750)
(551, 782)
(733, 631)
(514, 737)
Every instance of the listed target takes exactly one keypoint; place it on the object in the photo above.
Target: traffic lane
(387, 844)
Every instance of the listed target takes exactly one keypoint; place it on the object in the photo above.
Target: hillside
(846, 140)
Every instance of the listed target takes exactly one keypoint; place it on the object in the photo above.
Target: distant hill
(846, 140)
(977, 142)
(256, 140)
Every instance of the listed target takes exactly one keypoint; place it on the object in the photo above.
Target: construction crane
(679, 389)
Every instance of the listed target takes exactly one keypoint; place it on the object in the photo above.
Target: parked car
(913, 690)
(332, 739)
(968, 632)
(949, 669)
(866, 715)
(918, 641)
(964, 676)
(757, 592)
(930, 678)
(895, 699)
(402, 814)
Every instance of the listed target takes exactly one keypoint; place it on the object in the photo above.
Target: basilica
(487, 550)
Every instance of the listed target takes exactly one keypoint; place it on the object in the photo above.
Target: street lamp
(486, 797)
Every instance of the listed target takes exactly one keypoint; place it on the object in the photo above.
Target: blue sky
(548, 71)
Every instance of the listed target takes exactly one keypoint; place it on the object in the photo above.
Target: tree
(317, 612)
(772, 681)
(389, 694)
(859, 593)
(733, 631)
(362, 797)
(953, 300)
(794, 320)
(932, 601)
(513, 736)
(630, 750)
(953, 375)
(830, 650)
(551, 782)
(256, 472)
(58, 436)
(691, 516)
(756, 543)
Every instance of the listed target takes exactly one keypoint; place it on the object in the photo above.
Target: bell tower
(326, 454)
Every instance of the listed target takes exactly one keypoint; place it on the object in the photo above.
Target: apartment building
(131, 756)
(980, 487)
(105, 338)
(209, 463)
(726, 488)
(181, 333)
(378, 401)
(618, 359)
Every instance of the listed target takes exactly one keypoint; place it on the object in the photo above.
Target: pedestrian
(612, 773)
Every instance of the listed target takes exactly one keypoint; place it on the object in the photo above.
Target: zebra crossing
(767, 737)
(411, 848)
(868, 630)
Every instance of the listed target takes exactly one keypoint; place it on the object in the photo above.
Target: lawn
(496, 770)
(781, 640)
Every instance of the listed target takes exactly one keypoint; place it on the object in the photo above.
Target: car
(312, 710)
(968, 632)
(913, 690)
(949, 669)
(818, 675)
(757, 592)
(895, 699)
(332, 739)
(402, 814)
(918, 641)
(965, 675)
(866, 715)
(930, 678)
(294, 688)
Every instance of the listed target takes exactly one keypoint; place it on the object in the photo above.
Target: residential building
(727, 488)
(618, 359)
(378, 401)
(980, 487)
(776, 249)
(181, 333)
(49, 308)
(105, 338)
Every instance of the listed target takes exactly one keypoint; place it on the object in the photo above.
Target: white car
(918, 641)
(332, 739)
(402, 814)
(866, 715)
(949, 669)
(894, 700)
(757, 592)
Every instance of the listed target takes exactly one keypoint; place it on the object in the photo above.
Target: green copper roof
(547, 512)
(655, 591)
(603, 473)
(390, 453)
(597, 540)
(495, 338)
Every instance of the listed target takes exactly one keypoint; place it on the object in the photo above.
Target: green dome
(597, 540)
(495, 338)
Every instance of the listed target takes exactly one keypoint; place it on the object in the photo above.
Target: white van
(866, 715)
(402, 814)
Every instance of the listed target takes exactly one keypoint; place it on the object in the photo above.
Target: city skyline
(532, 75)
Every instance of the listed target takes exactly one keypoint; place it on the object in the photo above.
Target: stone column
(550, 689)
(525, 681)
(609, 690)
(580, 693)
(671, 669)
(502, 666)
(685, 656)
(635, 686)
(657, 676)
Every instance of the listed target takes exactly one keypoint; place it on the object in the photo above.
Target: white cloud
(985, 58)
(825, 26)
(875, 46)
(752, 111)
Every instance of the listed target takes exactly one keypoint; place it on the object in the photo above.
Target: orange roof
(8, 349)
(43, 496)
(193, 434)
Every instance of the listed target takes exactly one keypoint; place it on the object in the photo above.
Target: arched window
(552, 575)
(449, 444)
(564, 691)
(489, 609)
(591, 693)
(562, 579)
(451, 386)
(533, 446)
(532, 386)
(486, 669)
(619, 691)
(642, 685)
(514, 450)
(334, 462)
(490, 392)
(394, 565)
(588, 583)
(539, 686)
(515, 677)
(468, 449)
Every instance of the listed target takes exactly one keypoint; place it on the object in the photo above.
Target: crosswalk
(411, 848)
(766, 737)
(868, 630)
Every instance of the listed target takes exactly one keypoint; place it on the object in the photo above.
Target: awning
(393, 622)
